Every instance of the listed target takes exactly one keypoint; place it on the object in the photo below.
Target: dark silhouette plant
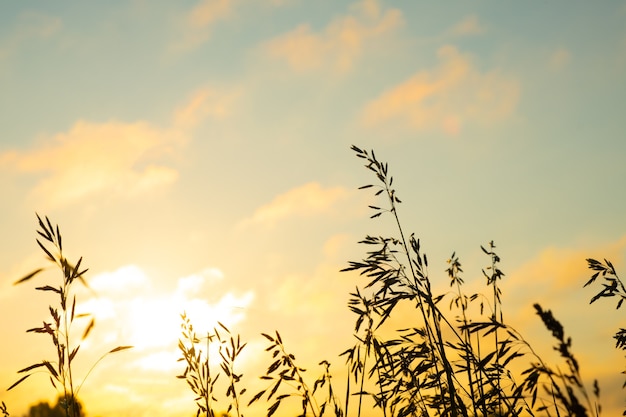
(285, 372)
(436, 365)
(611, 287)
(459, 361)
(62, 318)
(199, 373)
(439, 365)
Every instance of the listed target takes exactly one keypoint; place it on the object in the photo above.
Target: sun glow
(129, 311)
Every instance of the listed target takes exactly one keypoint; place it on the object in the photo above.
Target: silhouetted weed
(459, 362)
(439, 365)
(62, 319)
(285, 372)
(612, 287)
(198, 372)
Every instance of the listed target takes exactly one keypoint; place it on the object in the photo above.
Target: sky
(196, 154)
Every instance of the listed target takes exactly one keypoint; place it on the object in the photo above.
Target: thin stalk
(362, 385)
(347, 390)
(466, 337)
(422, 403)
(426, 296)
(207, 397)
(496, 303)
(65, 353)
(543, 365)
(481, 385)
(440, 343)
(309, 399)
(384, 403)
(68, 402)
(232, 385)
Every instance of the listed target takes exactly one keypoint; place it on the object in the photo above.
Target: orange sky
(197, 156)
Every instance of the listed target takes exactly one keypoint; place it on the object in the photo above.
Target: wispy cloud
(130, 310)
(203, 103)
(196, 25)
(31, 26)
(306, 200)
(559, 59)
(447, 97)
(468, 26)
(340, 43)
(554, 278)
(557, 268)
(123, 158)
(316, 299)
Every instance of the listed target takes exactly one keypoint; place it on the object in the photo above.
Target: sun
(130, 311)
(153, 322)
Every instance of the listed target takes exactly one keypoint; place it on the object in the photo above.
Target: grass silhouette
(454, 356)
(200, 376)
(62, 318)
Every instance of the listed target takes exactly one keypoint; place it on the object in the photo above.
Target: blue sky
(199, 153)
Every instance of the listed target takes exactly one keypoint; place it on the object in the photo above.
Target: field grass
(454, 356)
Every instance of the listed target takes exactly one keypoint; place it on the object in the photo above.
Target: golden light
(129, 311)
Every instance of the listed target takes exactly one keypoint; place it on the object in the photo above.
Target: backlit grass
(455, 355)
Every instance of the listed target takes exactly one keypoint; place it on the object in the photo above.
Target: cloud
(336, 244)
(554, 278)
(130, 311)
(446, 98)
(192, 284)
(204, 103)
(161, 361)
(559, 59)
(208, 11)
(146, 314)
(340, 44)
(123, 158)
(122, 281)
(468, 26)
(196, 25)
(311, 308)
(561, 268)
(306, 200)
(31, 26)
(279, 3)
